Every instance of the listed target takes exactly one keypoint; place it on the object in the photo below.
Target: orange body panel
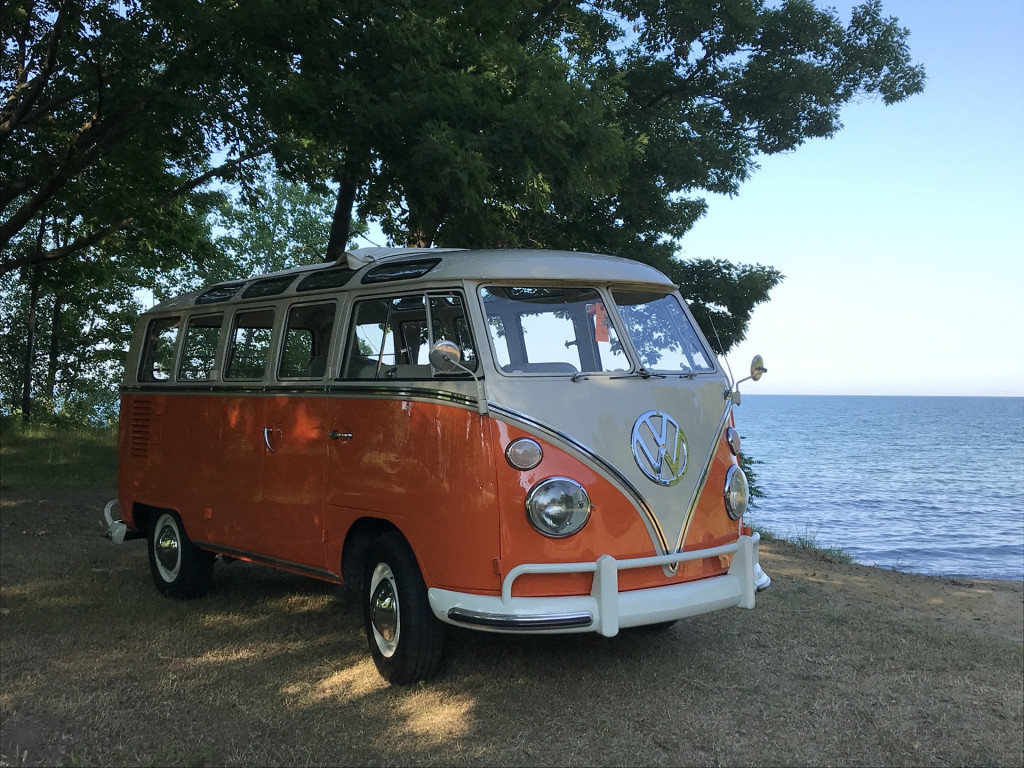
(425, 467)
(259, 476)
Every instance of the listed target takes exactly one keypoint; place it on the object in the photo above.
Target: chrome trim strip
(404, 393)
(506, 621)
(320, 390)
(319, 573)
(512, 415)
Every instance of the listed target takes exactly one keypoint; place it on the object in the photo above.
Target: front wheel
(404, 636)
(180, 569)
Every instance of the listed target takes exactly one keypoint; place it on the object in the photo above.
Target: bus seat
(539, 368)
(318, 367)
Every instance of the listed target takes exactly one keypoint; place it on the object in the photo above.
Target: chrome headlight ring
(737, 492)
(558, 507)
(732, 436)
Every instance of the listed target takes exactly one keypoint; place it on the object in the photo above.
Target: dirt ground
(837, 665)
(977, 606)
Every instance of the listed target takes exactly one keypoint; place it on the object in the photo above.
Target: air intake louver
(141, 422)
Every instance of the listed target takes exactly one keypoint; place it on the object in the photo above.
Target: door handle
(266, 438)
(336, 435)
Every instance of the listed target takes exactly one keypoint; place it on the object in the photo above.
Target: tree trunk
(30, 343)
(425, 222)
(342, 219)
(55, 340)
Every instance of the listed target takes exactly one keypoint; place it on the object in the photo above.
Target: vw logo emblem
(659, 447)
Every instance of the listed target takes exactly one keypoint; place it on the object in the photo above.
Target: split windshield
(567, 330)
(661, 333)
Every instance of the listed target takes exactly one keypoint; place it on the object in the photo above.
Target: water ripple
(929, 484)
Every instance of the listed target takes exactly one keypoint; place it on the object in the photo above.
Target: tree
(596, 125)
(66, 324)
(115, 112)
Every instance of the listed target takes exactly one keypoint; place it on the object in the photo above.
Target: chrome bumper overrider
(606, 610)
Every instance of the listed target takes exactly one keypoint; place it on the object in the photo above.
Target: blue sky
(901, 238)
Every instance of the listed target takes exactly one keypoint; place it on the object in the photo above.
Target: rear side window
(250, 344)
(158, 352)
(199, 354)
(307, 340)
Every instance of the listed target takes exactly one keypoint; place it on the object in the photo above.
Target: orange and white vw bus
(510, 441)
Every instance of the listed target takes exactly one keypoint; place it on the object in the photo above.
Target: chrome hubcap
(384, 618)
(166, 547)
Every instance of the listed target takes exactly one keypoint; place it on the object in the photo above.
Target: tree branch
(13, 112)
(92, 137)
(97, 236)
(548, 10)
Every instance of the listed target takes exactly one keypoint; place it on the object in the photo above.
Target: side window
(250, 344)
(158, 352)
(200, 350)
(307, 340)
(448, 321)
(385, 339)
(390, 337)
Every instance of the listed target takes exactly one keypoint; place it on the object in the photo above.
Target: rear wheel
(404, 636)
(180, 569)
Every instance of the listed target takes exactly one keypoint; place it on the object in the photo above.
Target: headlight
(733, 437)
(558, 506)
(736, 492)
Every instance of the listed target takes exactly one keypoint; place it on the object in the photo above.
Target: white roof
(526, 266)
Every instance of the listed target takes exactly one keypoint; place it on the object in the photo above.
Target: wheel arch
(356, 548)
(143, 516)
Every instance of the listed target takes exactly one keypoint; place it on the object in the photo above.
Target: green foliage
(283, 225)
(723, 295)
(86, 309)
(747, 464)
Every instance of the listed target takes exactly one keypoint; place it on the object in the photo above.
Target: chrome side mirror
(445, 356)
(757, 369)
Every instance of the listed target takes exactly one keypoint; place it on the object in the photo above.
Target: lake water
(931, 485)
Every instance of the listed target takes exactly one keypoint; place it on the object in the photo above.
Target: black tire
(660, 626)
(404, 636)
(180, 569)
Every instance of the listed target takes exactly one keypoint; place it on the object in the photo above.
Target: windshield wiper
(643, 373)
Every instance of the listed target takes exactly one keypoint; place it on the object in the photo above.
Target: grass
(839, 664)
(55, 457)
(808, 540)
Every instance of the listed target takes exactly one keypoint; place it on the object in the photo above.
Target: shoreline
(976, 605)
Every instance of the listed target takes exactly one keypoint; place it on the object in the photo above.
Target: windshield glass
(551, 330)
(661, 333)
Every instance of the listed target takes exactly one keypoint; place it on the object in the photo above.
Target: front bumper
(606, 610)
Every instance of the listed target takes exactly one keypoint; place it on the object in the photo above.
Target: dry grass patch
(838, 665)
